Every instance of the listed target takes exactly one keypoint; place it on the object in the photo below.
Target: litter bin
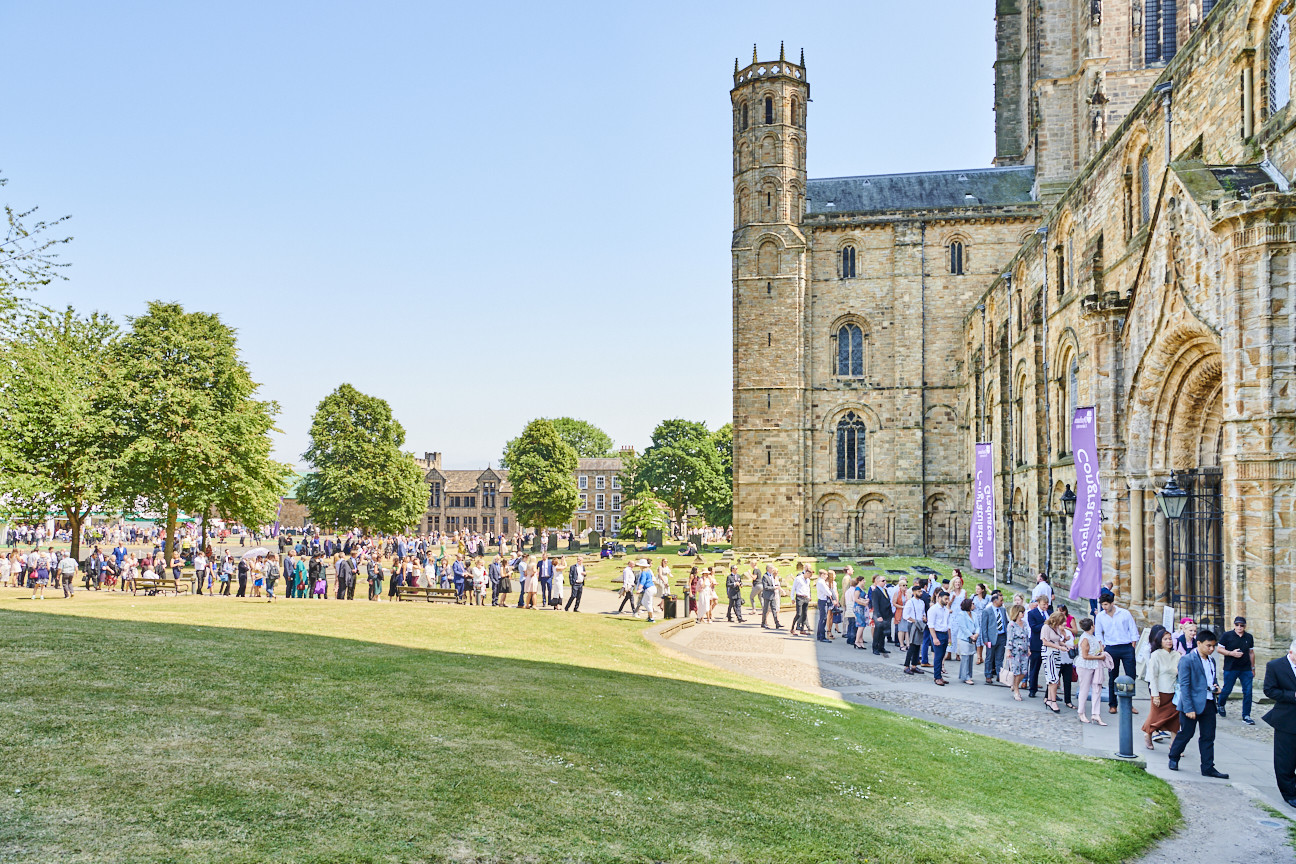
(669, 606)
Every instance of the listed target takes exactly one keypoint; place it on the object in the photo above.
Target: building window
(1279, 63)
(600, 482)
(504, 524)
(956, 258)
(434, 498)
(795, 111)
(1160, 21)
(599, 501)
(616, 502)
(744, 120)
(488, 496)
(506, 499)
(616, 481)
(848, 262)
(584, 502)
(452, 523)
(582, 482)
(1145, 190)
(616, 524)
(850, 448)
(769, 110)
(470, 501)
(598, 522)
(850, 351)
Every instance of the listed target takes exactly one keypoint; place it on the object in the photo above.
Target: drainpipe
(1048, 426)
(922, 393)
(1012, 434)
(1166, 89)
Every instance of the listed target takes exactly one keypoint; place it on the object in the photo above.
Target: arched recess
(1063, 552)
(942, 525)
(1020, 402)
(957, 253)
(1176, 404)
(850, 342)
(875, 523)
(831, 529)
(771, 200)
(769, 150)
(1065, 389)
(768, 249)
(942, 436)
(742, 207)
(1020, 528)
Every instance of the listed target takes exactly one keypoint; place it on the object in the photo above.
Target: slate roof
(922, 191)
(467, 481)
(610, 464)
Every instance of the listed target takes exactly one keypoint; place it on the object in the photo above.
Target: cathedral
(1131, 248)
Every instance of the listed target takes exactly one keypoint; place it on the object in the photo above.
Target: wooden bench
(154, 585)
(409, 592)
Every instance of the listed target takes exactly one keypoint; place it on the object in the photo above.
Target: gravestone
(573, 544)
(594, 540)
(696, 540)
(655, 536)
(535, 543)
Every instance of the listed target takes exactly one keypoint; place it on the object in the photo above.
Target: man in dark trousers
(1280, 686)
(242, 577)
(733, 590)
(1035, 619)
(882, 611)
(576, 579)
(1198, 689)
(346, 577)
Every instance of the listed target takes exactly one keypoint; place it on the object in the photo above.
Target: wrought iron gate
(1197, 550)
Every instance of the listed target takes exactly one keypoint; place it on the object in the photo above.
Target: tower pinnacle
(781, 57)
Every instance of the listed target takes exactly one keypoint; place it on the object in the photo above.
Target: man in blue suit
(1198, 689)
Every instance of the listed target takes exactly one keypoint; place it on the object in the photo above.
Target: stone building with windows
(478, 500)
(1132, 248)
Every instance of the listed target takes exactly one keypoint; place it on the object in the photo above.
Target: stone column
(1136, 546)
(1160, 558)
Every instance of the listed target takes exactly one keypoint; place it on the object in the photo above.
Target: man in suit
(771, 591)
(346, 578)
(1035, 619)
(882, 612)
(993, 627)
(1280, 686)
(1198, 689)
(546, 578)
(733, 591)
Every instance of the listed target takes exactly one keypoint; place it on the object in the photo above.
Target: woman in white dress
(530, 581)
(559, 577)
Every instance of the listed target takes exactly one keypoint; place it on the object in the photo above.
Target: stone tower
(769, 295)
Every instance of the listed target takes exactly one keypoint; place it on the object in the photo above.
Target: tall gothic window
(850, 351)
(848, 262)
(850, 448)
(956, 257)
(769, 110)
(1145, 190)
(1279, 77)
(744, 116)
(1159, 33)
(795, 112)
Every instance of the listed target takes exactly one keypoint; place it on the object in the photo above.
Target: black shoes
(1174, 765)
(1291, 802)
(1218, 775)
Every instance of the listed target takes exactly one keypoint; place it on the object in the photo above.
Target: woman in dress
(531, 581)
(704, 595)
(505, 587)
(1162, 672)
(6, 569)
(663, 578)
(980, 599)
(258, 575)
(128, 575)
(1091, 668)
(1186, 641)
(957, 595)
(1018, 648)
(694, 580)
(963, 634)
(1068, 631)
(1054, 646)
(558, 583)
(42, 577)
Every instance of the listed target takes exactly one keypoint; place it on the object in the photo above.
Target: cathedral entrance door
(1197, 550)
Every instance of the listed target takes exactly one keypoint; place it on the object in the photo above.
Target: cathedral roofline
(921, 190)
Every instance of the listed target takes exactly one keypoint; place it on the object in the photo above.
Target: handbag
(1005, 676)
(1075, 676)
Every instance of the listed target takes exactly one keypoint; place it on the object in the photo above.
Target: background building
(1131, 249)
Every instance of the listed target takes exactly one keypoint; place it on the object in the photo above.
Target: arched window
(850, 351)
(1160, 31)
(1279, 63)
(1019, 420)
(848, 262)
(744, 120)
(1068, 387)
(769, 110)
(1145, 189)
(795, 113)
(956, 257)
(850, 447)
(766, 259)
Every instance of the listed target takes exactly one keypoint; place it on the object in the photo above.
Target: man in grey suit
(346, 578)
(1198, 688)
(771, 592)
(992, 624)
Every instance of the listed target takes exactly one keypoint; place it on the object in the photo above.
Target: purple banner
(1086, 527)
(981, 548)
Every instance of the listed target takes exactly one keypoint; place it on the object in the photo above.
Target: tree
(588, 440)
(361, 477)
(682, 467)
(542, 471)
(644, 514)
(28, 256)
(187, 422)
(719, 510)
(58, 442)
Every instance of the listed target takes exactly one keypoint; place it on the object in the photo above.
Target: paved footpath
(1223, 820)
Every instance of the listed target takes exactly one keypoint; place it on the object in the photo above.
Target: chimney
(433, 460)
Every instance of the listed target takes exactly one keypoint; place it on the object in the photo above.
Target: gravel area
(736, 643)
(1028, 720)
(880, 671)
(793, 671)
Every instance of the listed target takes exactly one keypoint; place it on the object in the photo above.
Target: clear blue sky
(481, 212)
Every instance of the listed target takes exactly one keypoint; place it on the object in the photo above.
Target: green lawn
(204, 729)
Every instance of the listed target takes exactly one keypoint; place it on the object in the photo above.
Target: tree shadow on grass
(144, 741)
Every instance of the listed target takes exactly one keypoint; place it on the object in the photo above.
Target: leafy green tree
(28, 256)
(187, 421)
(588, 440)
(361, 477)
(644, 514)
(58, 443)
(719, 510)
(542, 471)
(682, 467)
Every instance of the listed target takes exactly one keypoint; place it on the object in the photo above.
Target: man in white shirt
(801, 596)
(577, 577)
(627, 588)
(826, 592)
(915, 614)
(938, 618)
(67, 569)
(1043, 589)
(1116, 629)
